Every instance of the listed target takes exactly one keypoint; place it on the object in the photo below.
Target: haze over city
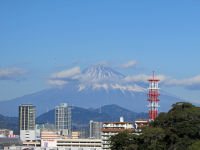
(45, 44)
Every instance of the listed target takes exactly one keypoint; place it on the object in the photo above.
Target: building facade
(79, 144)
(112, 128)
(139, 124)
(95, 129)
(79, 134)
(63, 119)
(51, 140)
(27, 122)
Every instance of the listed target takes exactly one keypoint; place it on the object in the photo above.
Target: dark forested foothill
(179, 129)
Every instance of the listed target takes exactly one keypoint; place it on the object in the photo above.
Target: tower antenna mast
(153, 98)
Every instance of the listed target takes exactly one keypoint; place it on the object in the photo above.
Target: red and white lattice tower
(153, 98)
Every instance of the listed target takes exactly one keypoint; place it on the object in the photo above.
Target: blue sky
(39, 38)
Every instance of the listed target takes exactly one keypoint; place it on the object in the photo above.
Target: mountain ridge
(88, 93)
(80, 117)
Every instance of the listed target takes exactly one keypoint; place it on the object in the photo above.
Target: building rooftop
(141, 119)
(107, 122)
(116, 130)
(26, 105)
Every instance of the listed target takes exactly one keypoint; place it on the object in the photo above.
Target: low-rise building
(140, 123)
(52, 140)
(49, 138)
(112, 128)
(79, 144)
(6, 133)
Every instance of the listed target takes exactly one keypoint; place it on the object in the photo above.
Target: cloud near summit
(72, 73)
(191, 83)
(63, 77)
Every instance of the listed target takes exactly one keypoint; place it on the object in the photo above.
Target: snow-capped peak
(101, 72)
(101, 76)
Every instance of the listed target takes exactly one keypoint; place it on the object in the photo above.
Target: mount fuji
(96, 86)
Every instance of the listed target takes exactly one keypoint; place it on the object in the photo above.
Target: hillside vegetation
(179, 129)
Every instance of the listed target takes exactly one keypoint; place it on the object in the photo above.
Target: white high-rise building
(27, 122)
(95, 129)
(63, 119)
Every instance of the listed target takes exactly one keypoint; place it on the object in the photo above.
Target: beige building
(79, 134)
(49, 138)
(79, 144)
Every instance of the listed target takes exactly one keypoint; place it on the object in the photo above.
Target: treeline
(179, 129)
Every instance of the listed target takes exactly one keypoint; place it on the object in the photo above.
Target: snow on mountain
(101, 72)
(102, 76)
(98, 85)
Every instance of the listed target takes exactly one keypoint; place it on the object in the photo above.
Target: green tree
(123, 141)
(195, 146)
(179, 129)
(153, 138)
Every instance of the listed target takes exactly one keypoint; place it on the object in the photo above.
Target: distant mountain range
(80, 117)
(96, 86)
(9, 123)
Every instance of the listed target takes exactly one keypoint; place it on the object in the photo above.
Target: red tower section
(153, 98)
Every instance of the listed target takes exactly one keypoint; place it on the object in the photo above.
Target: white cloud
(73, 73)
(11, 73)
(61, 78)
(98, 86)
(144, 78)
(166, 80)
(128, 64)
(185, 82)
(137, 78)
(56, 82)
(133, 88)
(121, 87)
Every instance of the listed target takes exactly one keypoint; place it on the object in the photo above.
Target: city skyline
(44, 41)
